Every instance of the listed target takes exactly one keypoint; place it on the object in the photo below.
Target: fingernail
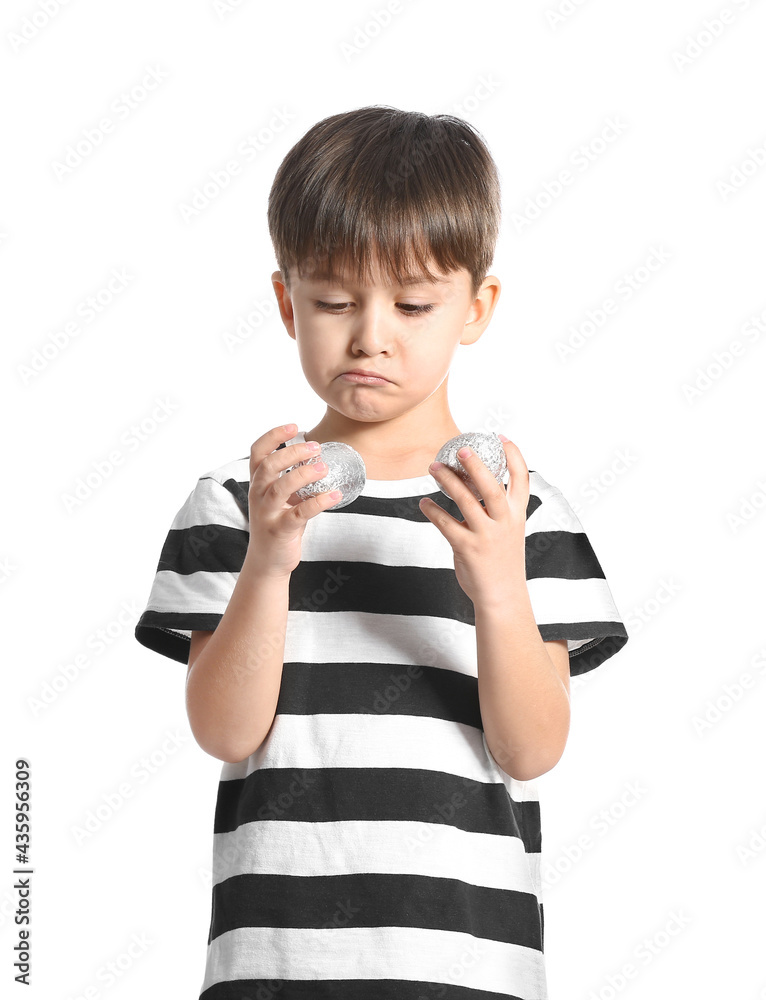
(464, 453)
(503, 437)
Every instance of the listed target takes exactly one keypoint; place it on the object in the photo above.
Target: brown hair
(381, 183)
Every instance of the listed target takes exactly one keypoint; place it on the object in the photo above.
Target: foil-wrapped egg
(345, 471)
(487, 446)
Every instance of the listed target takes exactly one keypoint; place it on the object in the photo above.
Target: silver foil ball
(487, 446)
(345, 471)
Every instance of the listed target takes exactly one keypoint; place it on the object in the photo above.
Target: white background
(670, 485)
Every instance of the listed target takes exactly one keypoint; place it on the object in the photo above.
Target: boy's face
(406, 334)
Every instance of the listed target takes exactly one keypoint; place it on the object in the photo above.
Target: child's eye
(410, 309)
(416, 310)
(330, 306)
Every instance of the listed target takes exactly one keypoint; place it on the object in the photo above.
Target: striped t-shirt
(372, 848)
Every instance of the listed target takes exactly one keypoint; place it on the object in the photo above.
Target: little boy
(383, 680)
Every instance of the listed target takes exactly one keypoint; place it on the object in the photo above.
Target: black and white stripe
(372, 848)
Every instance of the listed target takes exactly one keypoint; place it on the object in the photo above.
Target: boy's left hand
(489, 544)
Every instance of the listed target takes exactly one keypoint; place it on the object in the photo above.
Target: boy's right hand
(277, 517)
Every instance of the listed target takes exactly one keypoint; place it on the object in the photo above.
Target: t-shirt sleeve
(199, 565)
(568, 591)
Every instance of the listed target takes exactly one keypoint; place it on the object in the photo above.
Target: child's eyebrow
(417, 279)
(413, 279)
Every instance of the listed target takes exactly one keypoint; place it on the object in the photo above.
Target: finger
(518, 483)
(491, 492)
(287, 484)
(438, 516)
(304, 509)
(459, 492)
(267, 442)
(273, 468)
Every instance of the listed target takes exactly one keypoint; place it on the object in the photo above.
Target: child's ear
(284, 301)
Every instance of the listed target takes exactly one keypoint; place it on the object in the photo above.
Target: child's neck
(382, 464)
